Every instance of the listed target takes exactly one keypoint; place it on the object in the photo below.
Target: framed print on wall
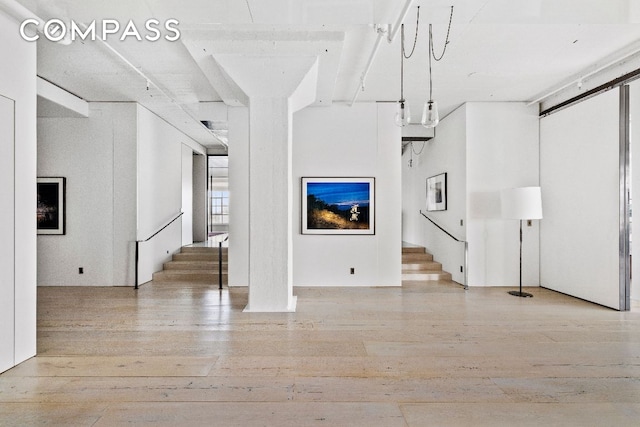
(51, 206)
(437, 193)
(338, 205)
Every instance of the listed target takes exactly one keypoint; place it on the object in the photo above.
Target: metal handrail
(149, 238)
(466, 249)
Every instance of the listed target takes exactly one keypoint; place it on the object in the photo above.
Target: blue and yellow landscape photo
(338, 205)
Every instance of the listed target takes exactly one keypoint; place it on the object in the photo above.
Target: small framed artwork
(437, 193)
(51, 205)
(338, 205)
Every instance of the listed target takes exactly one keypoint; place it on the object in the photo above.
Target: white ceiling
(500, 50)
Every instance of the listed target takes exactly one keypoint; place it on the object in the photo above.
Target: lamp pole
(520, 293)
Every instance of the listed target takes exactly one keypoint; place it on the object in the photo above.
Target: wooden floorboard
(421, 355)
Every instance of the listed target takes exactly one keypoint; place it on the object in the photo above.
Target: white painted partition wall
(199, 198)
(160, 154)
(17, 196)
(579, 172)
(97, 156)
(362, 141)
(7, 242)
(484, 147)
(187, 195)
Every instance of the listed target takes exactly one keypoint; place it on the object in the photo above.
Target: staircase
(418, 265)
(194, 264)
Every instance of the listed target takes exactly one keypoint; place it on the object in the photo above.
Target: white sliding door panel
(7, 236)
(579, 174)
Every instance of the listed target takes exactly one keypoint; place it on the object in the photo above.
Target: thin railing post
(219, 265)
(137, 244)
(466, 265)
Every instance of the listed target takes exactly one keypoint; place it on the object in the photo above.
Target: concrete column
(283, 85)
(270, 206)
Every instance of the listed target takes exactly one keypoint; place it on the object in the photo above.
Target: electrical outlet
(353, 270)
(80, 270)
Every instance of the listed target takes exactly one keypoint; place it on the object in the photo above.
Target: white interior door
(7, 239)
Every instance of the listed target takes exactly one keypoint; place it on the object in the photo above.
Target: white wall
(445, 153)
(483, 148)
(160, 157)
(580, 185)
(502, 152)
(97, 156)
(18, 198)
(342, 141)
(199, 198)
(7, 242)
(187, 195)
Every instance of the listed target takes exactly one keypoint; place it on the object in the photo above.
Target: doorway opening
(218, 196)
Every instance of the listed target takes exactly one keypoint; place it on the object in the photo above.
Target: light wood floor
(421, 355)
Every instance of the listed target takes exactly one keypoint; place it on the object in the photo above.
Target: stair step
(198, 256)
(421, 266)
(188, 276)
(201, 249)
(427, 276)
(412, 258)
(194, 265)
(413, 250)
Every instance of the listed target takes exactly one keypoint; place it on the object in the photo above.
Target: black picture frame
(338, 206)
(51, 205)
(437, 193)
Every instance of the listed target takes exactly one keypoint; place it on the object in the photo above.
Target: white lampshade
(521, 203)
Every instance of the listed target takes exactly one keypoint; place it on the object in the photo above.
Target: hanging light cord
(432, 53)
(446, 42)
(415, 37)
(403, 54)
(402, 64)
(417, 153)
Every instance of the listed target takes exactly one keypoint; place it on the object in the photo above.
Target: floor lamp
(521, 203)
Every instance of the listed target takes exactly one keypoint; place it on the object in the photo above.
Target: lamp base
(520, 294)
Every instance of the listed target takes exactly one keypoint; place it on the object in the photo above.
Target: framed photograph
(338, 205)
(51, 206)
(437, 193)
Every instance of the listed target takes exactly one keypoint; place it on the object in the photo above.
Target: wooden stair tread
(418, 265)
(413, 250)
(196, 256)
(197, 264)
(201, 249)
(188, 276)
(194, 265)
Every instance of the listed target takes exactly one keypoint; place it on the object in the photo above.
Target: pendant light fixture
(403, 116)
(430, 116)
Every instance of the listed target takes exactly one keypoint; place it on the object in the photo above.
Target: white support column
(284, 85)
(270, 206)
